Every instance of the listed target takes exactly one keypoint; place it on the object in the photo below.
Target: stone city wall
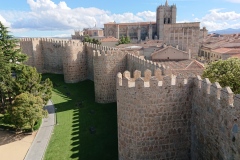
(66, 57)
(187, 72)
(163, 118)
(90, 47)
(106, 66)
(26, 46)
(135, 62)
(74, 62)
(153, 117)
(52, 52)
(215, 122)
(33, 48)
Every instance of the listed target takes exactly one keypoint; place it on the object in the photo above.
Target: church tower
(165, 14)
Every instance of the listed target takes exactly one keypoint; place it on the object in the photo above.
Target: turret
(166, 3)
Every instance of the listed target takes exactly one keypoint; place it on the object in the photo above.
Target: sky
(50, 18)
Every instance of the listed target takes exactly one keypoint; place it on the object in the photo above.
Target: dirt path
(14, 147)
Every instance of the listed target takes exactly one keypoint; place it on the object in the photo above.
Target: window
(165, 20)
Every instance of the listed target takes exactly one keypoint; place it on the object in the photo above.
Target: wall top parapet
(60, 42)
(212, 91)
(149, 80)
(102, 53)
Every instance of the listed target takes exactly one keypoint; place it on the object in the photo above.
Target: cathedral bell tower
(165, 14)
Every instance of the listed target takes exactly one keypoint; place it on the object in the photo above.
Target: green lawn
(72, 138)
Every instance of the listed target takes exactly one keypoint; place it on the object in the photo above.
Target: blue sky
(40, 18)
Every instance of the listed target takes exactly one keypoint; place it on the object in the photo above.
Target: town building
(185, 35)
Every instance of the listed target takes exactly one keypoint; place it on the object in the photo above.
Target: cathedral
(184, 35)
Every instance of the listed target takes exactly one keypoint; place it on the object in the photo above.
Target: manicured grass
(72, 138)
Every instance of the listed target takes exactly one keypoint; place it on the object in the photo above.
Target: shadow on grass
(86, 130)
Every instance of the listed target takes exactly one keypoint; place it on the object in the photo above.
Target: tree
(16, 77)
(226, 72)
(10, 56)
(46, 90)
(9, 47)
(91, 40)
(5, 81)
(124, 40)
(26, 110)
(29, 80)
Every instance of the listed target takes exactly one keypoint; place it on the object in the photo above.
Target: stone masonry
(215, 122)
(154, 122)
(106, 66)
(163, 118)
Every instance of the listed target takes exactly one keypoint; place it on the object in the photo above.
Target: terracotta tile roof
(227, 50)
(221, 50)
(109, 39)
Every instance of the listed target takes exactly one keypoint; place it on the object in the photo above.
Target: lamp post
(56, 116)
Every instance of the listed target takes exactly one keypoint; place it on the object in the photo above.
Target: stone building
(185, 35)
(169, 53)
(94, 32)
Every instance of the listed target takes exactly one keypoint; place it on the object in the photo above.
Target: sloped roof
(227, 50)
(109, 39)
(166, 48)
(189, 64)
(195, 65)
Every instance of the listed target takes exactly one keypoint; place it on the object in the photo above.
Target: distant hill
(227, 31)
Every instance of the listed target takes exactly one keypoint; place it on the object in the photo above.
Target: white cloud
(4, 22)
(47, 15)
(147, 15)
(216, 19)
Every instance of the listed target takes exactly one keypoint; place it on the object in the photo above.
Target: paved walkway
(40, 143)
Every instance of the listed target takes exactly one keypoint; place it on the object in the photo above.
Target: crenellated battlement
(62, 43)
(149, 80)
(139, 63)
(207, 89)
(55, 42)
(143, 61)
(202, 86)
(29, 39)
(100, 47)
(105, 53)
